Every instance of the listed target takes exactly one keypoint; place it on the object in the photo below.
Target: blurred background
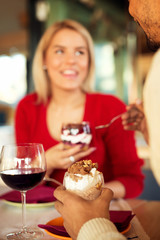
(122, 57)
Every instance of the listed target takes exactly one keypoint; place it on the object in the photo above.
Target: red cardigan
(115, 148)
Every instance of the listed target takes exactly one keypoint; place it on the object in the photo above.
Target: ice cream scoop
(84, 179)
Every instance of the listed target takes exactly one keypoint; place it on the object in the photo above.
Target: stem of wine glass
(23, 198)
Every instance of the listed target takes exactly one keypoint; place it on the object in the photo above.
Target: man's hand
(134, 119)
(76, 211)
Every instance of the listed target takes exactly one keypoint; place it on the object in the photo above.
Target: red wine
(23, 179)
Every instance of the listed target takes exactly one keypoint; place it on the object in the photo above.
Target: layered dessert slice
(76, 133)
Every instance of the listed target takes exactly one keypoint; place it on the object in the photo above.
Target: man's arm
(86, 218)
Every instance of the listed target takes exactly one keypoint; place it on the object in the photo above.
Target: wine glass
(22, 167)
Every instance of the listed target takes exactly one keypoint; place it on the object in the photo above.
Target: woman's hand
(58, 157)
(76, 211)
(134, 119)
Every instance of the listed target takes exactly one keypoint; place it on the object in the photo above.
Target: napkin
(121, 219)
(39, 194)
(58, 230)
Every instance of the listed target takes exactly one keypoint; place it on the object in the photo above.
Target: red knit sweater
(115, 148)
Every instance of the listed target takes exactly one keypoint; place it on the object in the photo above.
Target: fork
(108, 124)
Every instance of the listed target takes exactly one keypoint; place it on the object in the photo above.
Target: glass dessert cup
(76, 133)
(22, 167)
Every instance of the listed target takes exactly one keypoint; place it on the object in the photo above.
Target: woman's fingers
(72, 151)
(77, 152)
(63, 158)
(70, 159)
(82, 154)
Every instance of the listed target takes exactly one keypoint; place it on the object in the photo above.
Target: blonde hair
(40, 77)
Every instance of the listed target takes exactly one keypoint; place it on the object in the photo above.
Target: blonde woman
(63, 73)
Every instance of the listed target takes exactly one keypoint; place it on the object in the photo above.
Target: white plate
(29, 205)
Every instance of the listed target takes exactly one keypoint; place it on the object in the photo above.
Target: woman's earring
(44, 67)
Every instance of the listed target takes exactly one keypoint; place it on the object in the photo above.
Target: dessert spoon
(108, 124)
(53, 180)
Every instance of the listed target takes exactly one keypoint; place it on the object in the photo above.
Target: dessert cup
(76, 133)
(84, 179)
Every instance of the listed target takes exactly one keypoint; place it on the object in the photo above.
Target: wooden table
(148, 213)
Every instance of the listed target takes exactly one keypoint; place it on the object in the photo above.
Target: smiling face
(147, 14)
(67, 60)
